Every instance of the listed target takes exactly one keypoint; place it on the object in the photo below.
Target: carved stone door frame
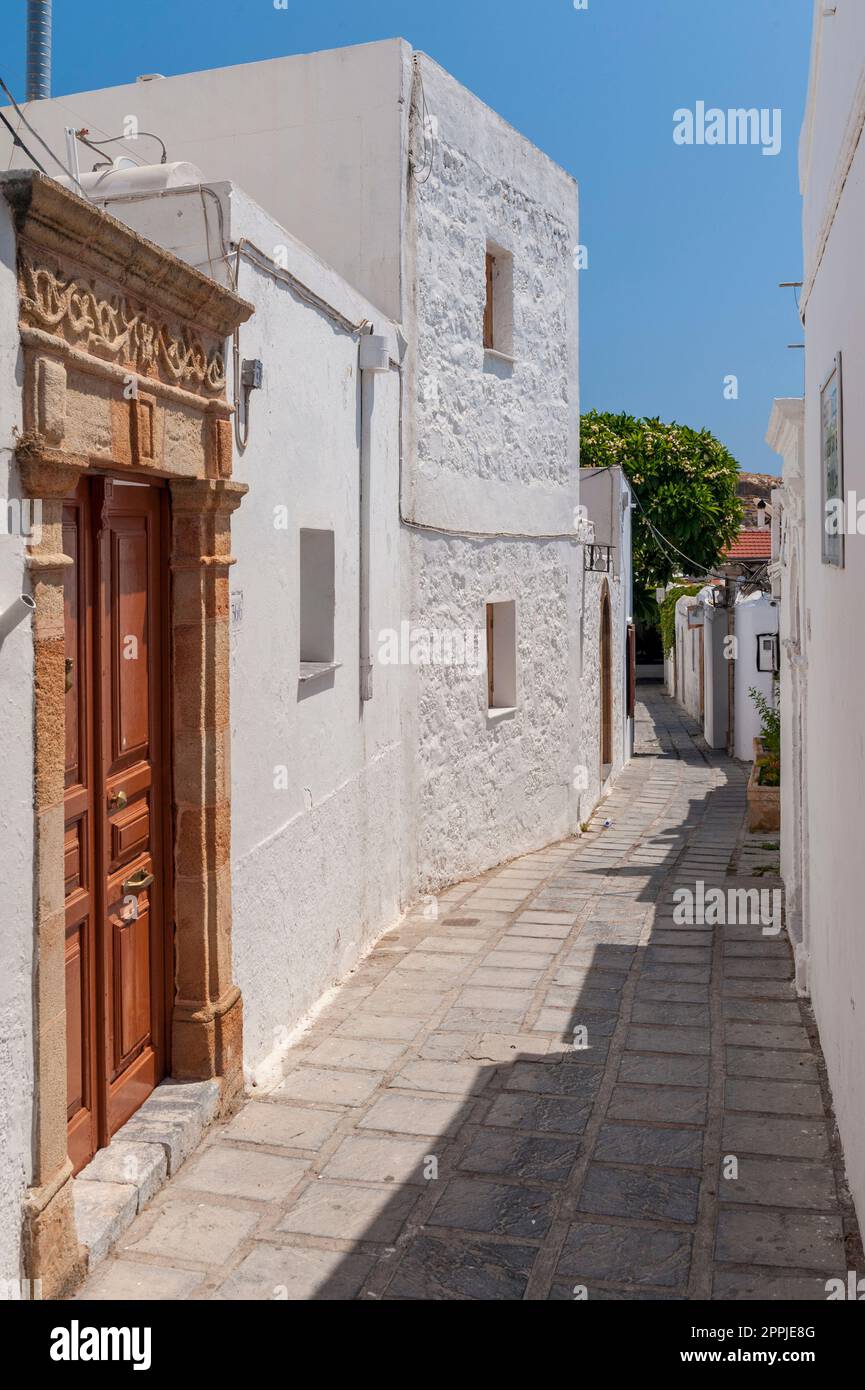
(123, 358)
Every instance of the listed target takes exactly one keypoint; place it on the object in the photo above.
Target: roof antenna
(38, 49)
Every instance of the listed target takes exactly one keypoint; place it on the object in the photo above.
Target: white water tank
(123, 177)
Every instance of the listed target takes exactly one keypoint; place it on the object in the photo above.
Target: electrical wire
(424, 115)
(664, 541)
(16, 140)
(37, 136)
(83, 134)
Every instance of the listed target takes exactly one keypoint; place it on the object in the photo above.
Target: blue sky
(686, 244)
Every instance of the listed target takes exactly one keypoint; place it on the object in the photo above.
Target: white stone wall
(688, 657)
(834, 215)
(316, 138)
(591, 686)
(492, 447)
(16, 817)
(317, 864)
(786, 436)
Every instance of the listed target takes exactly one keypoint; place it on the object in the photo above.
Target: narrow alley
(447, 1131)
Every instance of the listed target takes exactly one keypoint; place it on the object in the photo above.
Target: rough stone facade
(493, 450)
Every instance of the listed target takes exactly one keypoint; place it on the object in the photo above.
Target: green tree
(685, 483)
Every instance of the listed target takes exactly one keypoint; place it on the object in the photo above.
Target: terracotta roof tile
(752, 543)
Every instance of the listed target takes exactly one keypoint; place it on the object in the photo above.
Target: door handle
(69, 668)
(140, 880)
(117, 801)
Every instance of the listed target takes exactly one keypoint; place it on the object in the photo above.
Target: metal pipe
(38, 49)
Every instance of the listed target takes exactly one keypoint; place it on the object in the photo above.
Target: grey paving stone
(578, 1082)
(517, 961)
(681, 1040)
(356, 1054)
(676, 974)
(283, 1126)
(670, 1104)
(544, 1113)
(766, 1134)
(627, 1254)
(447, 1047)
(743, 967)
(434, 1269)
(520, 1156)
(768, 1035)
(667, 1012)
(127, 1281)
(379, 1159)
(453, 1078)
(665, 991)
(609, 1191)
(793, 1239)
(757, 1285)
(349, 1211)
(776, 1183)
(762, 1010)
(650, 1145)
(193, 1232)
(656, 1069)
(777, 1066)
(461, 1020)
(758, 989)
(489, 977)
(493, 1208)
(510, 1047)
(327, 1087)
(253, 1174)
(773, 1097)
(276, 1272)
(403, 1114)
(516, 1000)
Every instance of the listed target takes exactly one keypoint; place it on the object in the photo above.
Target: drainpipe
(38, 49)
(373, 357)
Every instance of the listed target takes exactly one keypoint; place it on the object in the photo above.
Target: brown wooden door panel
(116, 815)
(131, 627)
(78, 845)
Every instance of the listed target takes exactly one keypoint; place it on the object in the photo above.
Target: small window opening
(502, 655)
(317, 603)
(499, 301)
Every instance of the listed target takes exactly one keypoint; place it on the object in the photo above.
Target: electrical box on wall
(374, 355)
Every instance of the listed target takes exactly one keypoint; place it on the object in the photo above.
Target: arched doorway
(606, 683)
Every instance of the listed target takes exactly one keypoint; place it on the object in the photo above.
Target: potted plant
(764, 784)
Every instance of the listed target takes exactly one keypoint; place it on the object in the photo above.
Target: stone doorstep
(149, 1149)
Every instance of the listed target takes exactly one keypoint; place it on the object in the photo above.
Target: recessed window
(317, 603)
(499, 301)
(501, 656)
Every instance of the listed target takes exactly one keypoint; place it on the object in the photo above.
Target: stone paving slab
(553, 1090)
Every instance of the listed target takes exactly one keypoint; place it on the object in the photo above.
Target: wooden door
(80, 835)
(118, 967)
(606, 655)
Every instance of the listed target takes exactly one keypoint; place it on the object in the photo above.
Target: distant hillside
(753, 488)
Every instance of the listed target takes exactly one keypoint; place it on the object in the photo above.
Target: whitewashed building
(712, 677)
(608, 656)
(822, 573)
(399, 630)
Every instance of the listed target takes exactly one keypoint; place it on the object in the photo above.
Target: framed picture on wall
(832, 466)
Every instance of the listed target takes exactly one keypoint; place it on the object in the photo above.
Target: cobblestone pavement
(440, 1136)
